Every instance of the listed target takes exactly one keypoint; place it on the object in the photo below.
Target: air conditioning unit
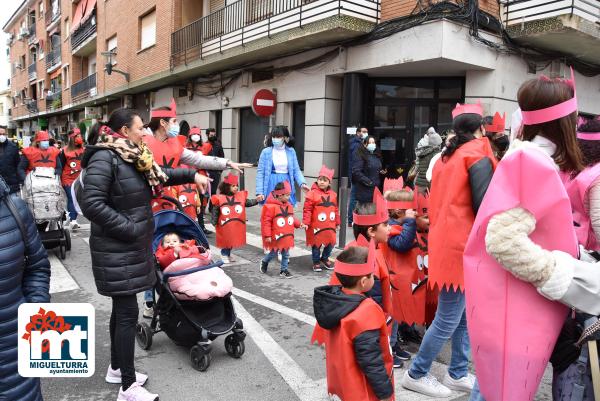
(23, 32)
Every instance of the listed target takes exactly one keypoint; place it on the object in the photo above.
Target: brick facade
(391, 9)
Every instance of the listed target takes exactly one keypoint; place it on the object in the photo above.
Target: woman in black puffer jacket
(24, 277)
(366, 170)
(120, 176)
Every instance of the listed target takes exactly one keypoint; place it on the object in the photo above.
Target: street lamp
(108, 67)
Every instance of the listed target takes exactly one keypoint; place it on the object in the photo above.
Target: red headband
(171, 113)
(356, 270)
(42, 136)
(231, 179)
(390, 184)
(286, 189)
(498, 123)
(194, 131)
(381, 213)
(76, 131)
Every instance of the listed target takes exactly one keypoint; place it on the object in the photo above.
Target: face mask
(277, 142)
(364, 135)
(173, 131)
(371, 147)
(2, 138)
(195, 138)
(502, 142)
(44, 144)
(78, 141)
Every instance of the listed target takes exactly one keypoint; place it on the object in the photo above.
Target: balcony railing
(520, 11)
(53, 58)
(83, 32)
(247, 20)
(32, 106)
(84, 88)
(32, 71)
(52, 15)
(54, 100)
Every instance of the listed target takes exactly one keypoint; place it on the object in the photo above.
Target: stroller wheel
(68, 239)
(62, 250)
(234, 347)
(143, 335)
(200, 358)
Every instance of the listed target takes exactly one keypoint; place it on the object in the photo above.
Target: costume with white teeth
(278, 223)
(230, 221)
(322, 217)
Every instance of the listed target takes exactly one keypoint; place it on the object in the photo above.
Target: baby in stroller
(173, 256)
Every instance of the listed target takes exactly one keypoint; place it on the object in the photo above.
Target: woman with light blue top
(277, 163)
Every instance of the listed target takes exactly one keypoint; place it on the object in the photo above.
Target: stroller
(47, 201)
(189, 323)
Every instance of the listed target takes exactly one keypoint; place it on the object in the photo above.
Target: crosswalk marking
(60, 279)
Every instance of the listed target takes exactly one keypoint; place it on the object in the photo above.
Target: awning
(89, 8)
(55, 73)
(78, 15)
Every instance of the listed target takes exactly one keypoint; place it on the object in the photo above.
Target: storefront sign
(264, 103)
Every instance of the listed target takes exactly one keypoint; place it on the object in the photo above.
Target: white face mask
(2, 138)
(371, 147)
(195, 138)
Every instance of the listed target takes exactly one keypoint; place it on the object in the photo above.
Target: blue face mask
(277, 142)
(173, 130)
(44, 144)
(371, 147)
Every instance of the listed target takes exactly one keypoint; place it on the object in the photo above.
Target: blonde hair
(401, 195)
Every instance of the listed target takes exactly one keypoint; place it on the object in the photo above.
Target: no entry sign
(264, 103)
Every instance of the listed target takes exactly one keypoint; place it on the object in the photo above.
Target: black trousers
(123, 320)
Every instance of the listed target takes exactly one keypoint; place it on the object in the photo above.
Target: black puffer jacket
(116, 199)
(19, 283)
(9, 163)
(331, 305)
(365, 174)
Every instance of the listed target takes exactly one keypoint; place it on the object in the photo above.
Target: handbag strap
(15, 213)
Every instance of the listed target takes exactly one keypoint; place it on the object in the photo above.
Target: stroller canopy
(173, 221)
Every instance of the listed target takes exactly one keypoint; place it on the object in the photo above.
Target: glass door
(392, 131)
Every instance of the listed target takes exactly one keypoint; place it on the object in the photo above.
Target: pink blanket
(202, 285)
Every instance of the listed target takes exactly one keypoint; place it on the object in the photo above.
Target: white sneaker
(232, 259)
(136, 393)
(225, 260)
(427, 385)
(74, 225)
(465, 383)
(114, 376)
(148, 312)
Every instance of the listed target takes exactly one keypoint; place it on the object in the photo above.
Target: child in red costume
(277, 227)
(355, 335)
(322, 217)
(171, 248)
(228, 215)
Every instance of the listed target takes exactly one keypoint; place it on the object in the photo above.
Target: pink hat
(533, 117)
(286, 189)
(467, 109)
(194, 131)
(380, 216)
(390, 184)
(326, 172)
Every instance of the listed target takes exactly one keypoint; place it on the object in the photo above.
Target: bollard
(343, 208)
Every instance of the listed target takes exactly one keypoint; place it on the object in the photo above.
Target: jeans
(450, 323)
(285, 258)
(148, 295)
(351, 204)
(226, 252)
(394, 335)
(123, 319)
(316, 253)
(70, 205)
(475, 394)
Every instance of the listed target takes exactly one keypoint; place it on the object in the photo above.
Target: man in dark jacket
(217, 151)
(9, 162)
(354, 143)
(24, 277)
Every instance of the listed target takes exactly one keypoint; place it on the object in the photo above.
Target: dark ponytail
(118, 119)
(465, 126)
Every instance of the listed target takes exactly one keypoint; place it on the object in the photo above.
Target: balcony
(32, 106)
(84, 88)
(53, 16)
(567, 26)
(54, 100)
(53, 59)
(83, 39)
(31, 34)
(32, 71)
(250, 28)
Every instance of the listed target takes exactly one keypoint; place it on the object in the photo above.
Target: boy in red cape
(358, 358)
(322, 217)
(228, 215)
(277, 227)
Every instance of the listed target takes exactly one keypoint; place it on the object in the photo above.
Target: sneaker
(232, 259)
(74, 225)
(427, 385)
(226, 260)
(148, 311)
(465, 383)
(135, 392)
(317, 267)
(285, 274)
(400, 353)
(349, 225)
(114, 376)
(327, 264)
(397, 362)
(263, 267)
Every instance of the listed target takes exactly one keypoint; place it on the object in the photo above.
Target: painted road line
(60, 279)
(284, 310)
(301, 384)
(87, 240)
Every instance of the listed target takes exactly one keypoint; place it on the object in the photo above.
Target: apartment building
(396, 66)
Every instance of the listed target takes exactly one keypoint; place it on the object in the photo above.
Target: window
(65, 76)
(148, 30)
(40, 89)
(67, 28)
(41, 7)
(111, 46)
